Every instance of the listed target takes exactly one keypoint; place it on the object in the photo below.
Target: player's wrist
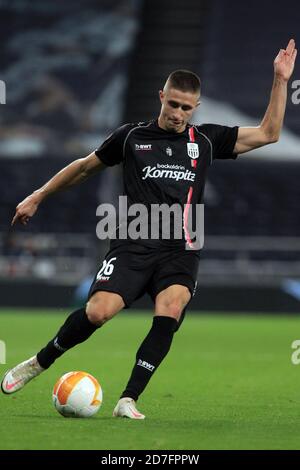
(38, 196)
(279, 78)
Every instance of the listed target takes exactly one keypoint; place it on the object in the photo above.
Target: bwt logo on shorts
(143, 146)
(176, 172)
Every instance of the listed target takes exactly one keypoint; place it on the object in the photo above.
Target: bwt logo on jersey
(143, 147)
(169, 172)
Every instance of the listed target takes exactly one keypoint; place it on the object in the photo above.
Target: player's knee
(173, 305)
(172, 308)
(101, 308)
(175, 308)
(97, 315)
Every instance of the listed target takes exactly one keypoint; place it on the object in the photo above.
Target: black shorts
(132, 269)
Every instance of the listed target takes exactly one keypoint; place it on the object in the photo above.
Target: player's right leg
(78, 327)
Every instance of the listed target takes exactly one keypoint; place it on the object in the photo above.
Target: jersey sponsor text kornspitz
(154, 172)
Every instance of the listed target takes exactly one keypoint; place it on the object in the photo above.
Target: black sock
(150, 354)
(76, 329)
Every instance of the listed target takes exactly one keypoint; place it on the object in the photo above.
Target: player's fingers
(280, 55)
(294, 54)
(290, 47)
(24, 219)
(17, 217)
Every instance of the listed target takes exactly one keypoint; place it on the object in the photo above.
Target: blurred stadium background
(74, 71)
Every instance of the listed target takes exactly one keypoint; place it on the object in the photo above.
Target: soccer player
(164, 161)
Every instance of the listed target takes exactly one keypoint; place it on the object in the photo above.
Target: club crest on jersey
(192, 150)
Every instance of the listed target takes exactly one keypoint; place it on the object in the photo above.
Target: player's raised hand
(285, 61)
(25, 210)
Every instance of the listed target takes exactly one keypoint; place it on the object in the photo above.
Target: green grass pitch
(227, 383)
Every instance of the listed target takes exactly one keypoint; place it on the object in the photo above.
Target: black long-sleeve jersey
(162, 167)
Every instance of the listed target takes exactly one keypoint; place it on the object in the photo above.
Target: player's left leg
(169, 305)
(77, 328)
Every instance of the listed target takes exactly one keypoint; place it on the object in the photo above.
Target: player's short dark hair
(184, 80)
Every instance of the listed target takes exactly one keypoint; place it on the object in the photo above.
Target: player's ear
(161, 96)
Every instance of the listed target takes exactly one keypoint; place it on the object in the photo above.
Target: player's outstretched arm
(268, 132)
(75, 173)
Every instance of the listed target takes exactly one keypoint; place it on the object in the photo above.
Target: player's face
(177, 108)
